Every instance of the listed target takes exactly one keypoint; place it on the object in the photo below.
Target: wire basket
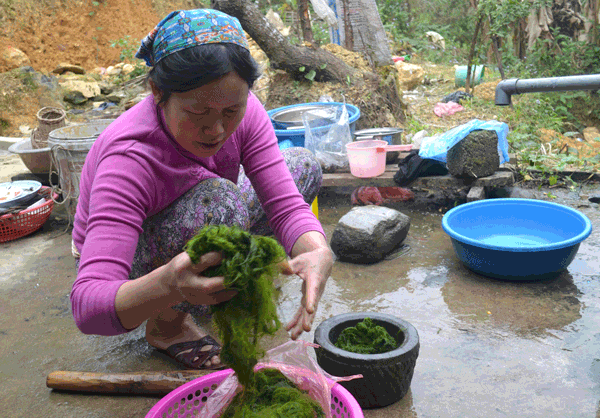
(187, 400)
(25, 222)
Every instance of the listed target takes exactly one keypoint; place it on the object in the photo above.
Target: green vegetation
(127, 46)
(553, 56)
(273, 396)
(366, 338)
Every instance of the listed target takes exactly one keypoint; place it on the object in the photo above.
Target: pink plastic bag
(294, 361)
(447, 109)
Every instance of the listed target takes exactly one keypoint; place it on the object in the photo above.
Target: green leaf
(301, 69)
(323, 66)
(552, 180)
(91, 13)
(95, 3)
(311, 75)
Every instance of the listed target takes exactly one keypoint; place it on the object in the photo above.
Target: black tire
(387, 376)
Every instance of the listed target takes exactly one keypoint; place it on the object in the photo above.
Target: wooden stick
(142, 383)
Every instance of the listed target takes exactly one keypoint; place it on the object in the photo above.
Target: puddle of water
(488, 347)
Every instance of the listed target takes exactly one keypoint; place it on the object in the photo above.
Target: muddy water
(488, 348)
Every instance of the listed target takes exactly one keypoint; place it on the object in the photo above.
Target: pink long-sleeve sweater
(135, 169)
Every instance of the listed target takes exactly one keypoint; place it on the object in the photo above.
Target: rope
(55, 187)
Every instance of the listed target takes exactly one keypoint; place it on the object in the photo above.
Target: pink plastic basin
(188, 399)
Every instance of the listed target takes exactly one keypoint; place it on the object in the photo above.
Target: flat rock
(63, 67)
(367, 234)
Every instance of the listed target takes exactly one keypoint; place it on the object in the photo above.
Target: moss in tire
(366, 338)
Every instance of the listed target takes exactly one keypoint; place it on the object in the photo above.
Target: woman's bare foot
(171, 327)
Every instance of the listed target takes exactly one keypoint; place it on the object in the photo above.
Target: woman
(199, 150)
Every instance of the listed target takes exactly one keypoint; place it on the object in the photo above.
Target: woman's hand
(314, 268)
(186, 279)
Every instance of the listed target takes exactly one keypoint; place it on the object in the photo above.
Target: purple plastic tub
(188, 399)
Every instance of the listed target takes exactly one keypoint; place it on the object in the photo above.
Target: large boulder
(78, 89)
(11, 58)
(367, 234)
(474, 156)
(409, 75)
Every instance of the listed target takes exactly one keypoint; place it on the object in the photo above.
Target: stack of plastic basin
(290, 132)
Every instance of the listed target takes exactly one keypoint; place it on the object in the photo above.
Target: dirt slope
(79, 31)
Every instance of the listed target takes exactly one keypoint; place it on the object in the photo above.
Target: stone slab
(476, 193)
(498, 179)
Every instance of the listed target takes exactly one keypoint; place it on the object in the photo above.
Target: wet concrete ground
(488, 348)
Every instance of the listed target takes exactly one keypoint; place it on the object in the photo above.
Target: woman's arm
(173, 283)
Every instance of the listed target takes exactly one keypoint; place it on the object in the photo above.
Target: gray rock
(474, 156)
(367, 234)
(116, 96)
(106, 88)
(75, 97)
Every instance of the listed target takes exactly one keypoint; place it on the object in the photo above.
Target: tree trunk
(316, 62)
(307, 33)
(496, 49)
(471, 53)
(348, 33)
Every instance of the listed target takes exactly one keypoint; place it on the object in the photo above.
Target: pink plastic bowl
(367, 158)
(188, 399)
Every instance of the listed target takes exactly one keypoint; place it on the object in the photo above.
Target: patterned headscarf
(183, 29)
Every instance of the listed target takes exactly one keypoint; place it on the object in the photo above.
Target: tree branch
(282, 54)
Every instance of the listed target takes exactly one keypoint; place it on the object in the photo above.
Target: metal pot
(392, 136)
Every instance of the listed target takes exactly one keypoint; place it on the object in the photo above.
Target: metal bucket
(69, 147)
(291, 117)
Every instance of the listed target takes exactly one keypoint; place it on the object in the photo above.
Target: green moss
(366, 338)
(249, 265)
(273, 396)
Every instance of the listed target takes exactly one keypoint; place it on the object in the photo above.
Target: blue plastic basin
(296, 135)
(516, 239)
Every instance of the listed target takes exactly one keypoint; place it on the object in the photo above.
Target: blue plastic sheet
(436, 147)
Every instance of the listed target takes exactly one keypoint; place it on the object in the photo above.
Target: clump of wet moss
(273, 396)
(249, 265)
(366, 338)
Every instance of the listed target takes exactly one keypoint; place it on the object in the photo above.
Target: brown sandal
(190, 355)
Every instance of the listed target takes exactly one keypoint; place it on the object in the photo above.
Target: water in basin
(521, 240)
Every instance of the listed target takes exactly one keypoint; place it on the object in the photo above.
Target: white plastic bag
(328, 141)
(323, 10)
(436, 147)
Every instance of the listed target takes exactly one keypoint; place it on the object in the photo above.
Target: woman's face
(202, 119)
